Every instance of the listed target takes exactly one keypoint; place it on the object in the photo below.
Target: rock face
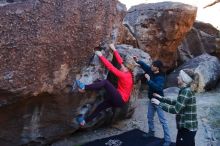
(208, 68)
(125, 37)
(44, 45)
(159, 28)
(202, 38)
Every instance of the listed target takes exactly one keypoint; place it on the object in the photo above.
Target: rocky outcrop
(160, 27)
(202, 38)
(208, 68)
(44, 46)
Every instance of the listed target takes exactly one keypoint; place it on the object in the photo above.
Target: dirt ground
(208, 105)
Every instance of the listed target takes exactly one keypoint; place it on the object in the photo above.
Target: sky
(207, 15)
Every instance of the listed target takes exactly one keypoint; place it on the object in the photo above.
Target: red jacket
(125, 80)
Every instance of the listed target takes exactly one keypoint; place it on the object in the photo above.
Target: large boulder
(45, 43)
(207, 28)
(43, 46)
(202, 38)
(205, 65)
(218, 46)
(125, 37)
(160, 27)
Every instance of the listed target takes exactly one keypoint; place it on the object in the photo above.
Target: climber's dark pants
(112, 97)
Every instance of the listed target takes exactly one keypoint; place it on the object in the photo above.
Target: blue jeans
(150, 116)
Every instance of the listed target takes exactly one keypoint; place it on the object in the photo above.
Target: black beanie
(158, 64)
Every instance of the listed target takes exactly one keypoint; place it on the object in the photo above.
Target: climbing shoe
(166, 143)
(149, 134)
(80, 120)
(80, 84)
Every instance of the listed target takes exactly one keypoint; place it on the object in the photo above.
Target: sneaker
(80, 85)
(80, 120)
(149, 134)
(166, 143)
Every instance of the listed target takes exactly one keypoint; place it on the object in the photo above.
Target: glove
(98, 53)
(155, 101)
(112, 47)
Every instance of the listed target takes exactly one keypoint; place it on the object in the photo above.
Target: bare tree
(213, 3)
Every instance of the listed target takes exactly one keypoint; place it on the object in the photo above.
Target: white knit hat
(185, 77)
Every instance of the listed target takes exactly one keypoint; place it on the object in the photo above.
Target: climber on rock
(114, 97)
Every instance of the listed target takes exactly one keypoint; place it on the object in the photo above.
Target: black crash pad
(131, 138)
